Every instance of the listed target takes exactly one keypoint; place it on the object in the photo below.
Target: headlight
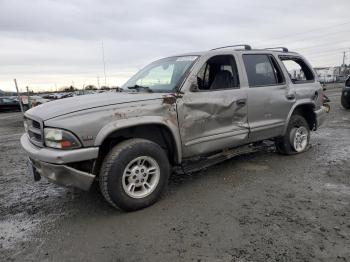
(58, 138)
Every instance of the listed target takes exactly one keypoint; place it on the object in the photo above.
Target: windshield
(161, 76)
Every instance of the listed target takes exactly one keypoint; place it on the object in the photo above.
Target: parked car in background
(345, 96)
(8, 104)
(181, 114)
(38, 100)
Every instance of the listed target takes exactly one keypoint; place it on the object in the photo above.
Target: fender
(137, 121)
(300, 102)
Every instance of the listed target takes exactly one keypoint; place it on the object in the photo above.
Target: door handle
(241, 102)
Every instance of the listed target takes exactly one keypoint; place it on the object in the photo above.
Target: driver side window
(219, 72)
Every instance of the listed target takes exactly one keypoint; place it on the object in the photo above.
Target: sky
(48, 44)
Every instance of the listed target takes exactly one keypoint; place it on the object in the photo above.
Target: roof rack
(284, 49)
(246, 47)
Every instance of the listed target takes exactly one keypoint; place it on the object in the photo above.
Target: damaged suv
(178, 114)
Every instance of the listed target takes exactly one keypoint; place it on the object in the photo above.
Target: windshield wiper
(141, 88)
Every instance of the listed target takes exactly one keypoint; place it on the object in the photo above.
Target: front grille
(35, 136)
(35, 131)
(36, 124)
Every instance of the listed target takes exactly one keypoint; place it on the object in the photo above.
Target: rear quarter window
(298, 70)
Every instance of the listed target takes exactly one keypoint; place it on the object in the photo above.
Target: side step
(197, 164)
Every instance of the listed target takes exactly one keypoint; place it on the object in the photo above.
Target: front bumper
(321, 116)
(51, 163)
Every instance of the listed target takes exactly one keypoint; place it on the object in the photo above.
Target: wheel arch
(306, 110)
(156, 129)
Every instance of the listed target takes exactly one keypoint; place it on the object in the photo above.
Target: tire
(345, 103)
(126, 170)
(289, 144)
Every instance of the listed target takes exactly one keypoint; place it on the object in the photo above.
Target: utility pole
(98, 82)
(19, 97)
(343, 65)
(29, 105)
(104, 63)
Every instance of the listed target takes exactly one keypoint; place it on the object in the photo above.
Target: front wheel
(134, 174)
(297, 138)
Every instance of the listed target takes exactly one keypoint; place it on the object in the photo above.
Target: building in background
(332, 74)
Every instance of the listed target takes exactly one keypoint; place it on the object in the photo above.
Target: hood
(73, 104)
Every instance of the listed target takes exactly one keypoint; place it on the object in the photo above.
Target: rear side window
(262, 70)
(299, 72)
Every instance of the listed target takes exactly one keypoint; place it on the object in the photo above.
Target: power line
(328, 51)
(313, 46)
(309, 37)
(313, 30)
(323, 55)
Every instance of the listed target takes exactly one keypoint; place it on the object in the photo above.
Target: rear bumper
(321, 115)
(51, 163)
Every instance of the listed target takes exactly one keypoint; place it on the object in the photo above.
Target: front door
(213, 114)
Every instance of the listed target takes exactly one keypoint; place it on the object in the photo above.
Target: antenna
(104, 63)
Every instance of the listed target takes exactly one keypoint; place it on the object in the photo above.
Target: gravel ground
(257, 207)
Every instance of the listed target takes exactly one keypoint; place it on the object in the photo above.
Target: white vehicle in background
(37, 100)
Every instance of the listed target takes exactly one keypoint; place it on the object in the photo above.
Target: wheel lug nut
(137, 172)
(142, 170)
(134, 177)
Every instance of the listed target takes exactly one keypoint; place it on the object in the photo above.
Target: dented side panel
(211, 120)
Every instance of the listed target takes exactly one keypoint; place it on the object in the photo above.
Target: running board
(191, 166)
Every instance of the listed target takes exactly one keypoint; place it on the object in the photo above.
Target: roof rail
(284, 49)
(246, 47)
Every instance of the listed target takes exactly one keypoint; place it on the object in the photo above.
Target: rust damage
(171, 98)
(118, 115)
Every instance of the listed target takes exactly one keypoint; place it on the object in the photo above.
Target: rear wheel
(134, 174)
(297, 138)
(345, 102)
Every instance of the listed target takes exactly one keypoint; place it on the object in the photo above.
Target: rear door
(212, 113)
(270, 97)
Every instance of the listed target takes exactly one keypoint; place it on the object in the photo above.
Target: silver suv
(178, 114)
